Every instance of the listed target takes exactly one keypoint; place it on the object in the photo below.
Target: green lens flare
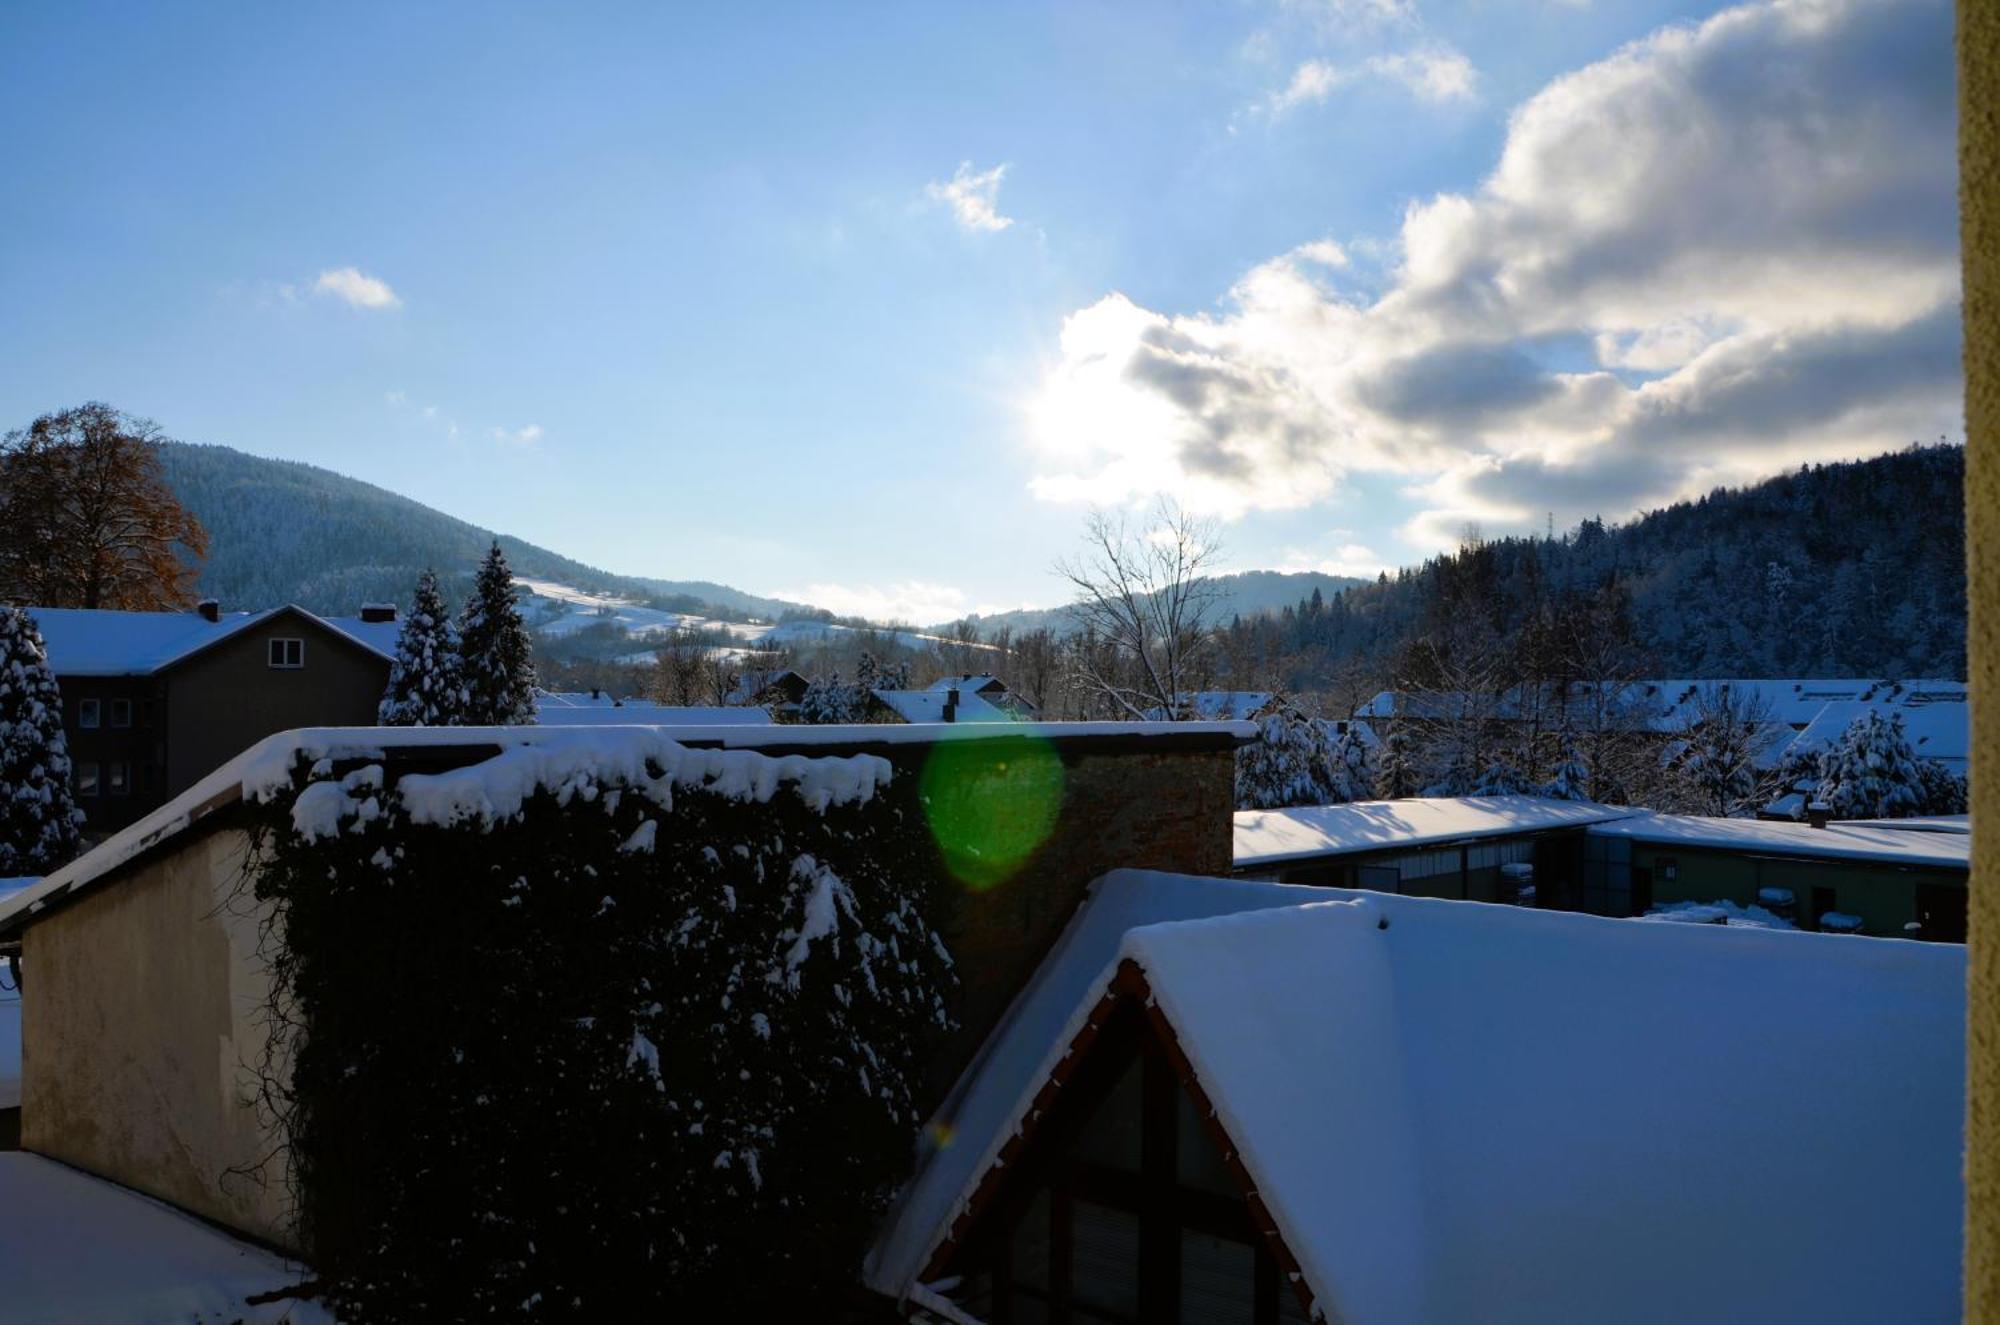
(990, 803)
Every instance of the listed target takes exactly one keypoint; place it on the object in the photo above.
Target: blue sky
(736, 294)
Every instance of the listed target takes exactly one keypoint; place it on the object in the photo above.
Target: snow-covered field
(558, 610)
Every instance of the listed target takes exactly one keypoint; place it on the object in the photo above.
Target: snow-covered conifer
(1499, 778)
(39, 821)
(1350, 774)
(1285, 765)
(1570, 779)
(1945, 792)
(426, 688)
(827, 698)
(1871, 772)
(1718, 761)
(498, 667)
(1395, 770)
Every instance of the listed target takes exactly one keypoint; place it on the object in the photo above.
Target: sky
(871, 304)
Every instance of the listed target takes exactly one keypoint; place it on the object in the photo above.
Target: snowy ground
(1717, 913)
(76, 1248)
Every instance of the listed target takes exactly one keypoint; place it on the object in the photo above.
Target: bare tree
(86, 520)
(1145, 595)
(681, 673)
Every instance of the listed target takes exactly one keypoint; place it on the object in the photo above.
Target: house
(134, 1068)
(989, 688)
(935, 705)
(1209, 1104)
(589, 708)
(1857, 878)
(153, 701)
(1482, 848)
(777, 689)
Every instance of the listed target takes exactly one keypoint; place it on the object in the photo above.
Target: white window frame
(89, 714)
(280, 653)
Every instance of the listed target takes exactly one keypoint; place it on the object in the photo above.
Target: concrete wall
(226, 699)
(140, 1024)
(1165, 810)
(1979, 211)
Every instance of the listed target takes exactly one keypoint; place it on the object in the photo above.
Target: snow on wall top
(577, 708)
(1269, 837)
(1014, 1060)
(74, 1247)
(1402, 1096)
(93, 642)
(267, 766)
(1776, 837)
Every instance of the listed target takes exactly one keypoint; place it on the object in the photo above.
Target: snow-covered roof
(1386, 1067)
(975, 1114)
(1781, 838)
(581, 708)
(1929, 823)
(94, 642)
(1268, 837)
(967, 683)
(74, 1247)
(1223, 705)
(928, 706)
(1938, 729)
(1669, 704)
(264, 765)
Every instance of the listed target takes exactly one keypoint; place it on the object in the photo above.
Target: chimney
(1818, 813)
(951, 704)
(210, 609)
(378, 612)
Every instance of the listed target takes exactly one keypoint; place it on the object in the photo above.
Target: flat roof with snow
(1437, 1139)
(1774, 837)
(1270, 837)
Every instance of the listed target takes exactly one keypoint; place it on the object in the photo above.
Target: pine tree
(1285, 765)
(1499, 778)
(1570, 779)
(829, 699)
(1871, 772)
(1944, 792)
(1350, 774)
(39, 821)
(1395, 771)
(498, 669)
(426, 687)
(1718, 763)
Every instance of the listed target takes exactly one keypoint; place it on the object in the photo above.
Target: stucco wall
(139, 1026)
(1979, 197)
(226, 699)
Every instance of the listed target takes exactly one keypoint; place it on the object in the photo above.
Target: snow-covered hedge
(601, 1027)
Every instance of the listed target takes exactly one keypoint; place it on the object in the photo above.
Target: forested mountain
(1854, 569)
(284, 532)
(1245, 593)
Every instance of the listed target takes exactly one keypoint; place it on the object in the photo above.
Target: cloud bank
(1721, 251)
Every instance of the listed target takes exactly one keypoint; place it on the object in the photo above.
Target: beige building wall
(1979, 194)
(140, 1030)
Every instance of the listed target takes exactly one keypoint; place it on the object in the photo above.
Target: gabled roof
(1434, 1139)
(1778, 837)
(1014, 1056)
(928, 706)
(94, 642)
(1269, 837)
(968, 684)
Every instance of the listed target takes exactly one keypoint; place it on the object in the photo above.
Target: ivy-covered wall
(600, 1028)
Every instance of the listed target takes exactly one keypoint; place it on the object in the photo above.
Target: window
(86, 778)
(118, 779)
(288, 653)
(121, 713)
(87, 712)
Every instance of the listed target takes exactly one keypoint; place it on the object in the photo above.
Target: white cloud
(914, 602)
(1351, 559)
(1747, 227)
(355, 288)
(1431, 73)
(527, 436)
(973, 197)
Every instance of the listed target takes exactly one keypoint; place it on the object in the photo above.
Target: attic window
(288, 653)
